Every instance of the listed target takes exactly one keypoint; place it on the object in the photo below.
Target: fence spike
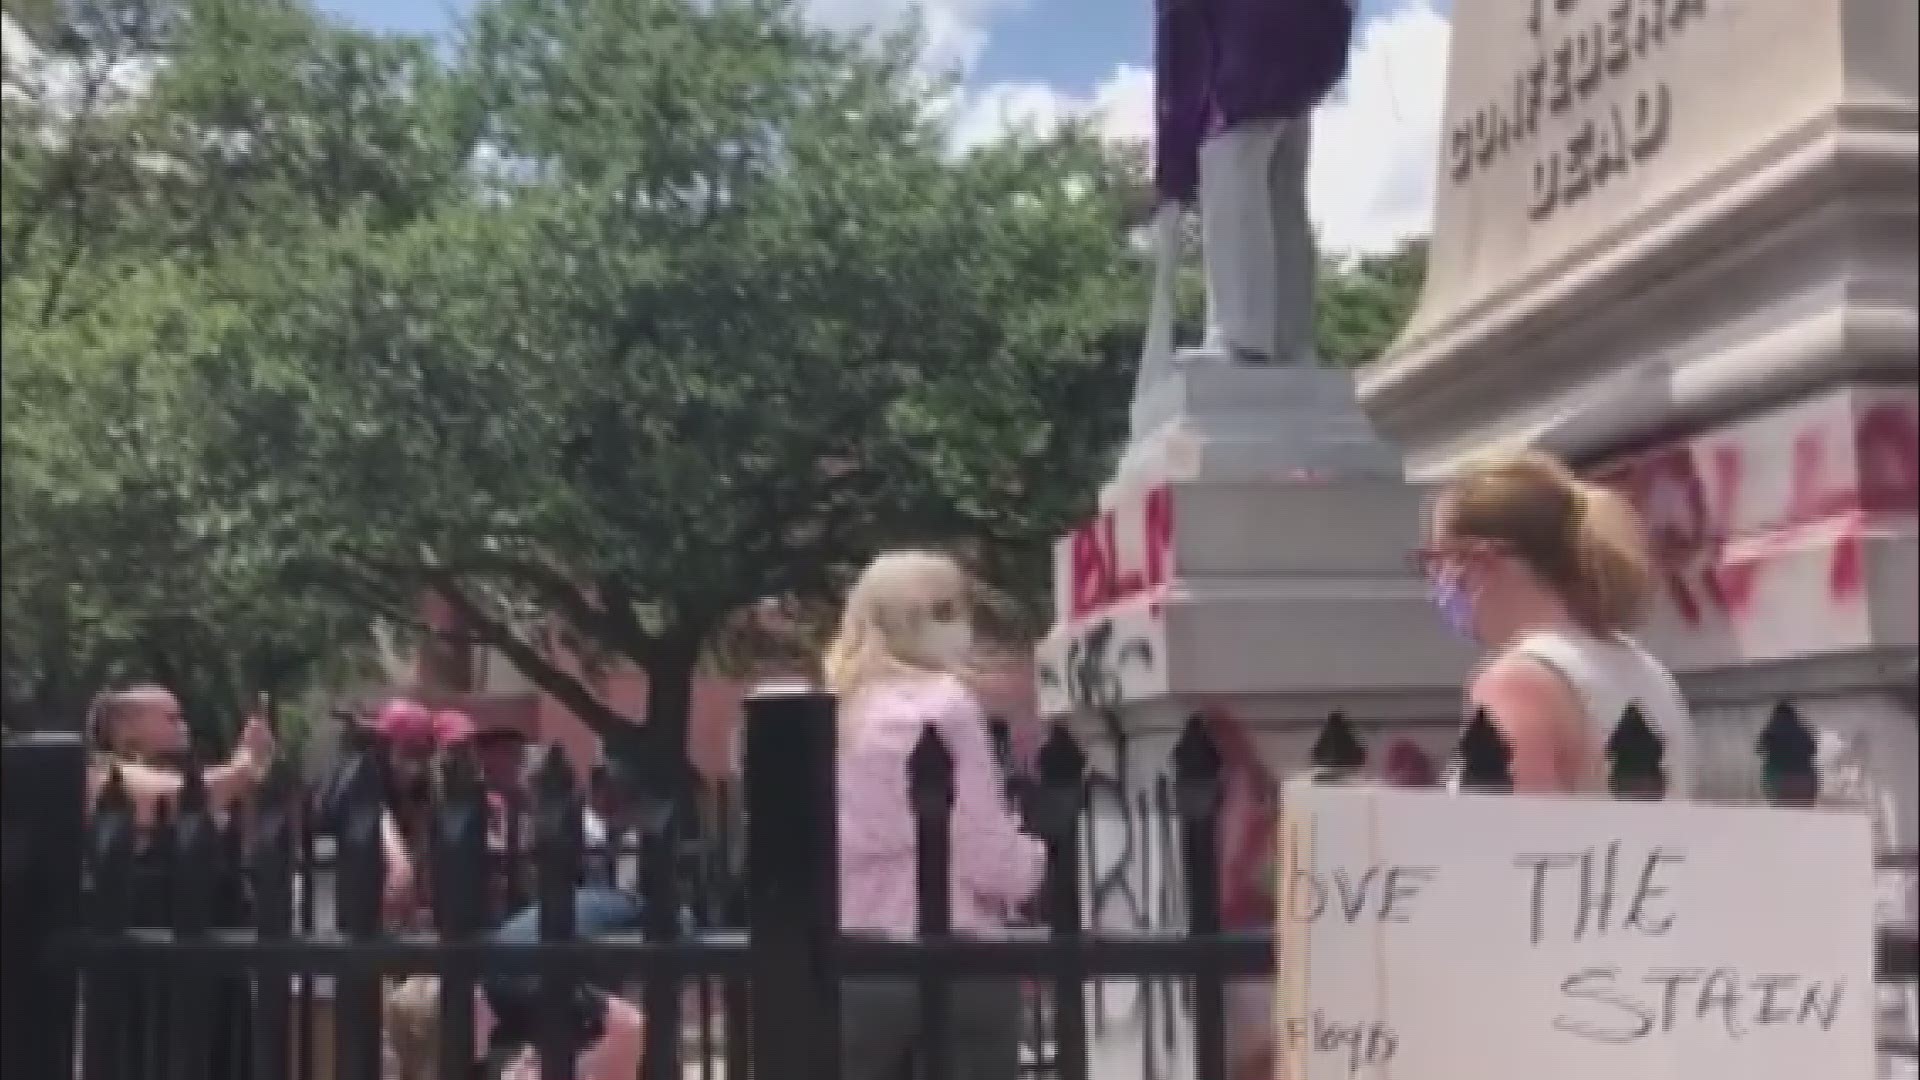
(1197, 768)
(1636, 757)
(1789, 756)
(459, 852)
(1486, 761)
(1196, 772)
(553, 777)
(1338, 753)
(1061, 760)
(930, 772)
(1195, 755)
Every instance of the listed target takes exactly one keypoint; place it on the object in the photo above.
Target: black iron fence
(204, 946)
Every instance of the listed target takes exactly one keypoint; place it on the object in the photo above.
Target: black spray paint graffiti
(1136, 884)
(1093, 672)
(1131, 853)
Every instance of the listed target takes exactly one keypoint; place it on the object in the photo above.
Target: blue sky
(1072, 44)
(1031, 62)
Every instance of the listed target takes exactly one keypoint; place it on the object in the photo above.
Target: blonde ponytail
(1583, 540)
(1613, 582)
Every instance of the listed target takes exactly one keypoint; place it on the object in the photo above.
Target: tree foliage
(614, 321)
(155, 154)
(1364, 303)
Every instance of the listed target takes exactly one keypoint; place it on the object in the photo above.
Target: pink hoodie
(995, 865)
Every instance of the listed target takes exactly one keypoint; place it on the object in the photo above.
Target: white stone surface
(1256, 240)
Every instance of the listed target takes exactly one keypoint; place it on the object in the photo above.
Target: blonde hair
(886, 611)
(1582, 540)
(413, 1027)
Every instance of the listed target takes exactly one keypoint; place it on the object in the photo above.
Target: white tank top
(1608, 674)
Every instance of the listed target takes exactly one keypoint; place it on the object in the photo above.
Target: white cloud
(955, 30)
(1375, 142)
(63, 85)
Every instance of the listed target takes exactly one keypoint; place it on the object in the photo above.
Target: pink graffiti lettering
(1715, 538)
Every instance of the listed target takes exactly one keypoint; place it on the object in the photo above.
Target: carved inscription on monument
(1588, 108)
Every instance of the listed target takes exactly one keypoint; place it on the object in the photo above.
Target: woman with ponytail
(1551, 574)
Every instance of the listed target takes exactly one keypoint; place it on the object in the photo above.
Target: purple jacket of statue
(1218, 63)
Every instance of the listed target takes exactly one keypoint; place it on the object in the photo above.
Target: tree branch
(532, 662)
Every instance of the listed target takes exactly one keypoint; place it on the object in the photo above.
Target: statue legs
(1257, 242)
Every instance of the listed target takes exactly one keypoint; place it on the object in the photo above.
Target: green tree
(1364, 303)
(156, 154)
(723, 318)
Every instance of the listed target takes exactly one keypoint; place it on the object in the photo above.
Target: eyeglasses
(1427, 560)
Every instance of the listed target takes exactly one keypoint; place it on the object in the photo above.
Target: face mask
(950, 641)
(1449, 594)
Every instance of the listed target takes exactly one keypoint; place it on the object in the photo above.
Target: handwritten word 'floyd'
(1363, 1044)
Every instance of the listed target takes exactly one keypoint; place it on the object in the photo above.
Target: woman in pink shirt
(897, 666)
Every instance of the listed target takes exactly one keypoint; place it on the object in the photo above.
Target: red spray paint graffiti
(1716, 537)
(1101, 575)
(1249, 822)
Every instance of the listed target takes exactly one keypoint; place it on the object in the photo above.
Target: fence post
(460, 900)
(43, 795)
(194, 852)
(660, 831)
(558, 849)
(270, 864)
(1058, 803)
(1196, 770)
(112, 997)
(930, 792)
(794, 886)
(360, 875)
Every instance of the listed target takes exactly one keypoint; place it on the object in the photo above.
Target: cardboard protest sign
(1426, 936)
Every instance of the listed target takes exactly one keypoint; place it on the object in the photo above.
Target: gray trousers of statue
(880, 1030)
(1257, 241)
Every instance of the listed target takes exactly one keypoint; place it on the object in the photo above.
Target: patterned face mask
(949, 641)
(1448, 591)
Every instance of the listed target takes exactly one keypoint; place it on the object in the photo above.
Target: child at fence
(610, 1032)
(904, 644)
(1551, 574)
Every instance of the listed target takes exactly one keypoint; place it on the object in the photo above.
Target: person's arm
(1541, 718)
(398, 893)
(148, 788)
(992, 857)
(617, 1055)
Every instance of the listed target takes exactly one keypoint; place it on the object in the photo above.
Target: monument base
(1249, 563)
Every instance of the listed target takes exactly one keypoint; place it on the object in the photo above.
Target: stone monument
(1248, 560)
(1675, 244)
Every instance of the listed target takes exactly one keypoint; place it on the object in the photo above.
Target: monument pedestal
(1249, 563)
(1673, 243)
